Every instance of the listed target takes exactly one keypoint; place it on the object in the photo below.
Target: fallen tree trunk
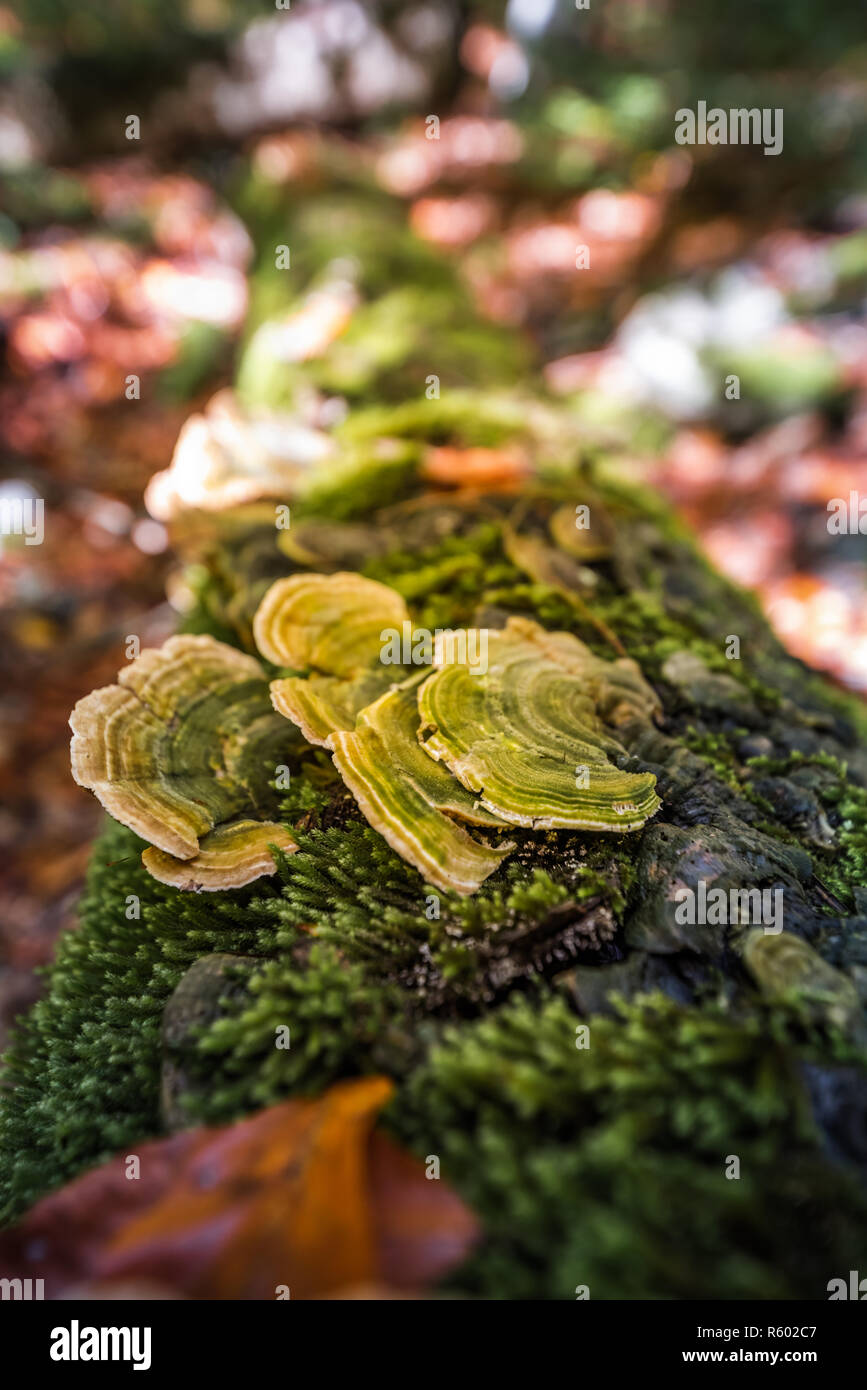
(639, 1057)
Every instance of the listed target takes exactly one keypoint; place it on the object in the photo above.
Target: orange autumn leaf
(477, 467)
(304, 1195)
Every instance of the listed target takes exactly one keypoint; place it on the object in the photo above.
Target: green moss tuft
(338, 1026)
(83, 1070)
(606, 1166)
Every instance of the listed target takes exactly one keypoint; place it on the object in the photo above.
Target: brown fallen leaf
(303, 1195)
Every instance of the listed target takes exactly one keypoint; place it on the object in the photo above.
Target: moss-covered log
(582, 1040)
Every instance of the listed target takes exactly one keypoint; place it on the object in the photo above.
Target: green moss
(550, 607)
(360, 484)
(602, 1166)
(85, 1066)
(311, 790)
(535, 897)
(648, 632)
(471, 418)
(717, 751)
(414, 317)
(847, 804)
(444, 582)
(362, 897)
(606, 1166)
(337, 1025)
(83, 1073)
(848, 869)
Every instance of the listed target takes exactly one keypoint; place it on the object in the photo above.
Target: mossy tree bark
(585, 1060)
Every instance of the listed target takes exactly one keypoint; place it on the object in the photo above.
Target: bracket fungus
(414, 803)
(526, 735)
(328, 622)
(182, 750)
(331, 626)
(328, 625)
(230, 856)
(439, 750)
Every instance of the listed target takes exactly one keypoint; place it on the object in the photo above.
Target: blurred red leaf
(304, 1194)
